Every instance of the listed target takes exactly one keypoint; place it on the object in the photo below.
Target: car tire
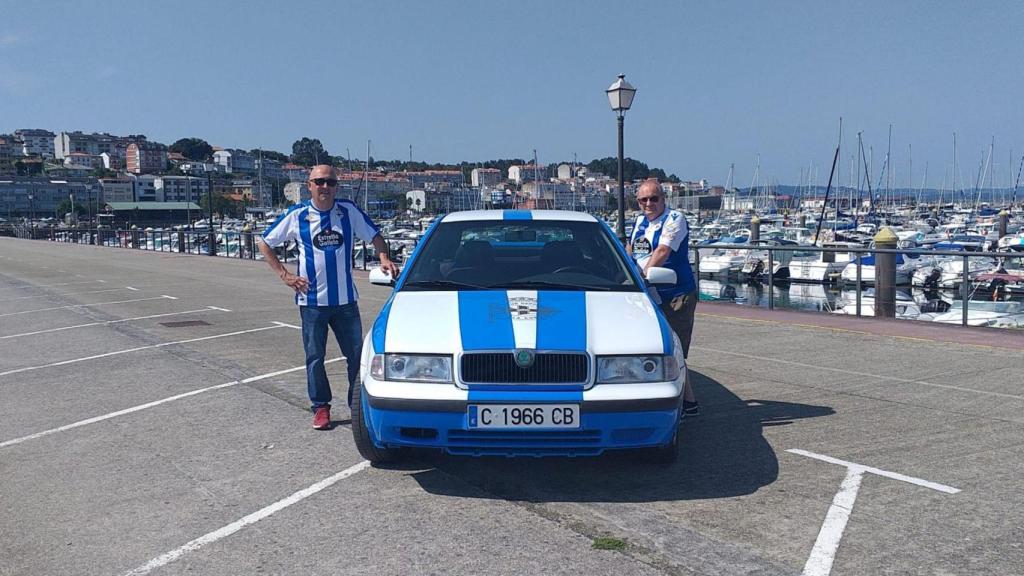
(361, 434)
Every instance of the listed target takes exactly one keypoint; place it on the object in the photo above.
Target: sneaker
(322, 418)
(691, 408)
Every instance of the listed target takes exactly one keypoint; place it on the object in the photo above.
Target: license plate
(524, 416)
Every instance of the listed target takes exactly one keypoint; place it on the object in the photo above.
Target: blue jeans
(344, 321)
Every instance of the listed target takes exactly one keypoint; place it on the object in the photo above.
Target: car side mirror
(380, 278)
(661, 276)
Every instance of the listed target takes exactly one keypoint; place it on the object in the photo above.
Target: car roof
(554, 215)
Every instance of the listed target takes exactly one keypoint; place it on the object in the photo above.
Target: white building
(117, 190)
(82, 161)
(526, 173)
(296, 192)
(95, 144)
(199, 168)
(269, 168)
(35, 142)
(570, 171)
(144, 188)
(235, 161)
(179, 189)
(485, 177)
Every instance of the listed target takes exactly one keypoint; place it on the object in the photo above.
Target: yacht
(826, 266)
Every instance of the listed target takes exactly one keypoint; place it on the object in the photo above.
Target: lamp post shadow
(723, 453)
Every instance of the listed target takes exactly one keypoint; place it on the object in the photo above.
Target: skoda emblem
(525, 358)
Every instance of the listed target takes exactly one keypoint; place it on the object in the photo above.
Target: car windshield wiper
(444, 285)
(528, 284)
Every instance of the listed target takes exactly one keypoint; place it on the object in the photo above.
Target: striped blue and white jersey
(325, 242)
(669, 229)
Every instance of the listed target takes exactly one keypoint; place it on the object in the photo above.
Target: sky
(719, 83)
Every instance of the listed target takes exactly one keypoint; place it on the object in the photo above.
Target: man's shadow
(722, 453)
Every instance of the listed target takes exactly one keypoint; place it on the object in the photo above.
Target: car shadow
(722, 453)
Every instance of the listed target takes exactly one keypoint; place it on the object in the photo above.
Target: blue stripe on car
(561, 320)
(380, 326)
(517, 215)
(521, 397)
(485, 322)
(666, 330)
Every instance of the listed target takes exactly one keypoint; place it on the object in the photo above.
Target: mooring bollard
(885, 274)
(247, 241)
(755, 229)
(1004, 216)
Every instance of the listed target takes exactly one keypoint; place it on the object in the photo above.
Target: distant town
(50, 175)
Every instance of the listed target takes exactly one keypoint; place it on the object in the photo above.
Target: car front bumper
(605, 424)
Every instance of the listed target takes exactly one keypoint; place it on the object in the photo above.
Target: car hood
(453, 322)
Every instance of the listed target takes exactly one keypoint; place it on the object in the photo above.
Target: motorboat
(756, 260)
(826, 266)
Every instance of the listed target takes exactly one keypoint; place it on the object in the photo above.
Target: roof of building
(119, 206)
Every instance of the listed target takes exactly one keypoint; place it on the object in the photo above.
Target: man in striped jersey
(325, 228)
(661, 238)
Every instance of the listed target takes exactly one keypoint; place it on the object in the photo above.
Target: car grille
(547, 368)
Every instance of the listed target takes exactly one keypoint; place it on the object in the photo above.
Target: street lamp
(620, 96)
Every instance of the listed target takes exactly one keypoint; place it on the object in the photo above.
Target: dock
(154, 419)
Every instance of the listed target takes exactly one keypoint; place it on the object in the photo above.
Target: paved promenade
(153, 419)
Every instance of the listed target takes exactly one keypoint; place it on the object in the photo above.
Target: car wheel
(361, 433)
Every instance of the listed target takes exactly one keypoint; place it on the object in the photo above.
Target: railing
(224, 243)
(964, 288)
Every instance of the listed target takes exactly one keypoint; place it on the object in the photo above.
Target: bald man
(661, 238)
(325, 228)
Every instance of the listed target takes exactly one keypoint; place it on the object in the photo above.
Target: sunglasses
(332, 182)
(646, 199)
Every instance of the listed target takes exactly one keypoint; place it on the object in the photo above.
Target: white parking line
(230, 529)
(67, 294)
(109, 354)
(823, 555)
(207, 309)
(287, 325)
(161, 297)
(48, 285)
(861, 374)
(95, 419)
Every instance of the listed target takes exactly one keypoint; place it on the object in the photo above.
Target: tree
(195, 149)
(221, 205)
(631, 169)
(309, 152)
(270, 155)
(65, 207)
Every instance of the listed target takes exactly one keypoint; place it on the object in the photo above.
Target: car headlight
(635, 369)
(411, 368)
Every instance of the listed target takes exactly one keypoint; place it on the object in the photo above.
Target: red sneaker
(322, 418)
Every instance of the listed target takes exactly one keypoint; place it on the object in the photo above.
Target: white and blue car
(520, 333)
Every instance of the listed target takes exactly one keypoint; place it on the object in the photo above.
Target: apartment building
(235, 161)
(35, 142)
(146, 157)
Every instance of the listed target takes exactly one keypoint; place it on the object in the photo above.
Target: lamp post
(620, 96)
(211, 236)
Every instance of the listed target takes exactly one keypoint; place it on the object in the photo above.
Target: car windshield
(520, 254)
